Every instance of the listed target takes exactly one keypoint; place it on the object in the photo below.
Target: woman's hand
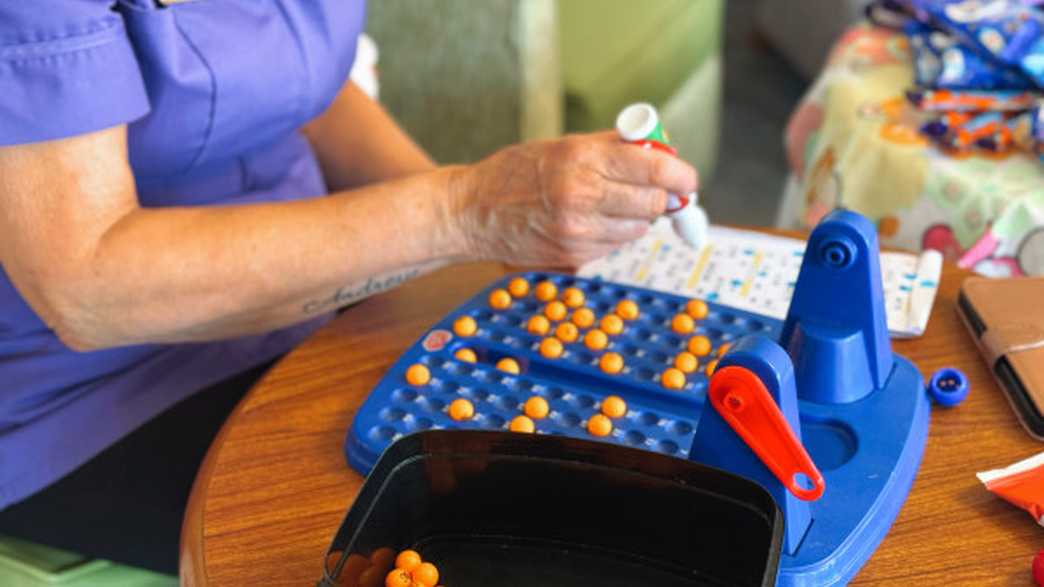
(562, 203)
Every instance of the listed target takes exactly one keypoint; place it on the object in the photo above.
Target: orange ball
(426, 574)
(700, 345)
(518, 287)
(418, 374)
(461, 409)
(711, 366)
(465, 326)
(599, 425)
(545, 291)
(596, 340)
(398, 578)
(354, 567)
(499, 299)
(509, 365)
(538, 325)
(611, 363)
(371, 577)
(536, 407)
(466, 355)
(382, 559)
(551, 348)
(522, 424)
(555, 310)
(614, 406)
(408, 559)
(673, 379)
(583, 317)
(627, 309)
(686, 362)
(724, 348)
(567, 332)
(573, 297)
(697, 309)
(612, 324)
(682, 323)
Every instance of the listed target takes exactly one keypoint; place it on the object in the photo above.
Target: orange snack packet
(1021, 484)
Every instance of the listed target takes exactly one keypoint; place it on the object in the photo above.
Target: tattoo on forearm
(356, 291)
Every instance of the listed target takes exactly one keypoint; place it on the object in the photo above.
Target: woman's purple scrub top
(214, 92)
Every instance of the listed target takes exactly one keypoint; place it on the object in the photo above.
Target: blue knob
(948, 387)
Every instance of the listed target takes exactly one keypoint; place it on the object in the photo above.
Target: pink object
(982, 249)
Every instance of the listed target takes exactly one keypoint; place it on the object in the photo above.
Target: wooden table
(274, 486)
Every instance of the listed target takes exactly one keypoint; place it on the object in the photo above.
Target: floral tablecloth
(854, 142)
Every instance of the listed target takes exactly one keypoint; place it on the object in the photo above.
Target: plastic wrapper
(1021, 484)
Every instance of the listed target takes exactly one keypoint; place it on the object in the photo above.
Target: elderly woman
(188, 191)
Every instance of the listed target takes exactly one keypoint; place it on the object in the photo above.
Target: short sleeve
(67, 67)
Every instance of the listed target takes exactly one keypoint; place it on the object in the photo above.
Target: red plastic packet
(1021, 484)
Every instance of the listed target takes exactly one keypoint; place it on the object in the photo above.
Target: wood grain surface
(275, 486)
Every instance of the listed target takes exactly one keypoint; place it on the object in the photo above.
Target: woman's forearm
(186, 274)
(101, 271)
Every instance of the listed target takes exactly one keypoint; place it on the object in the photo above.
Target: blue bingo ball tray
(860, 411)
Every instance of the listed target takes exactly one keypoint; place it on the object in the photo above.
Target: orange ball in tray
(509, 365)
(596, 340)
(466, 355)
(522, 424)
(538, 325)
(545, 291)
(614, 406)
(573, 297)
(682, 324)
(567, 332)
(418, 374)
(551, 348)
(465, 326)
(627, 309)
(583, 317)
(536, 407)
(611, 363)
(499, 299)
(555, 311)
(612, 324)
(700, 345)
(461, 409)
(673, 378)
(518, 287)
(599, 425)
(686, 362)
(697, 309)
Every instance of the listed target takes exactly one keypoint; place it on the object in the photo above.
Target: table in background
(854, 141)
(275, 487)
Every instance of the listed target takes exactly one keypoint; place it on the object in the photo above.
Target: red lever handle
(742, 400)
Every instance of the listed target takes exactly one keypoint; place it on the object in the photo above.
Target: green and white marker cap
(640, 122)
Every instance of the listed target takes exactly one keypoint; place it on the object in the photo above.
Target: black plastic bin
(503, 509)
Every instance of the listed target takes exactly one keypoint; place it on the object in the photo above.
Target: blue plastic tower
(836, 329)
(860, 411)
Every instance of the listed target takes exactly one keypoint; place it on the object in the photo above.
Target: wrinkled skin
(565, 202)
